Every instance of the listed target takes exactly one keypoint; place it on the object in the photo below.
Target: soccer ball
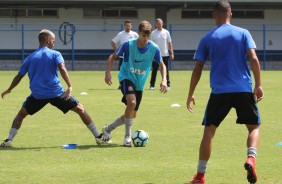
(140, 138)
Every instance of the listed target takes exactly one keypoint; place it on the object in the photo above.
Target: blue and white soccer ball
(140, 138)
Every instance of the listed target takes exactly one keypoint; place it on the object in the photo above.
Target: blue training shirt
(41, 67)
(137, 62)
(226, 46)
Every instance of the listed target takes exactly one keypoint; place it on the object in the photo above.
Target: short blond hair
(145, 27)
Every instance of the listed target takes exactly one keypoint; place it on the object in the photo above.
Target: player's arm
(196, 75)
(111, 60)
(65, 75)
(17, 79)
(158, 59)
(255, 66)
(164, 80)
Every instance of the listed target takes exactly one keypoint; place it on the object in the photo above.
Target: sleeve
(123, 49)
(250, 43)
(24, 67)
(116, 38)
(158, 58)
(59, 58)
(168, 37)
(201, 53)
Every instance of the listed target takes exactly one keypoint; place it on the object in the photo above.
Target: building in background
(84, 28)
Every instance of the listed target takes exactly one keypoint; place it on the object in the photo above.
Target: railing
(93, 40)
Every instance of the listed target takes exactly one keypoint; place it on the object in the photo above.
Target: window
(111, 13)
(28, 12)
(196, 14)
(206, 14)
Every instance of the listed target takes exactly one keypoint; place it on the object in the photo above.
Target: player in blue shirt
(226, 47)
(138, 56)
(45, 86)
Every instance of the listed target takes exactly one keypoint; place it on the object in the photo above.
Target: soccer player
(161, 37)
(138, 56)
(45, 86)
(231, 86)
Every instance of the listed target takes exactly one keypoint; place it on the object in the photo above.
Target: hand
(5, 92)
(108, 78)
(188, 103)
(67, 93)
(172, 56)
(163, 87)
(258, 93)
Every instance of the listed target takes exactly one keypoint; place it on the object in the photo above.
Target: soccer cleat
(127, 141)
(198, 179)
(250, 166)
(168, 88)
(6, 144)
(107, 136)
(151, 88)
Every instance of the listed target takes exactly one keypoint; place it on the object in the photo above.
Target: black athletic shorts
(219, 106)
(127, 87)
(33, 105)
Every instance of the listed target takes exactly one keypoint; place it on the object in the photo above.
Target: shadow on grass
(103, 89)
(79, 147)
(84, 147)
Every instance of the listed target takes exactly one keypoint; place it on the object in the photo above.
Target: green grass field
(171, 155)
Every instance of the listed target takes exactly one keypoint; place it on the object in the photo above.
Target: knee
(131, 104)
(79, 109)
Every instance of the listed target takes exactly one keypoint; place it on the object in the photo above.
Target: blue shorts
(127, 87)
(219, 106)
(33, 105)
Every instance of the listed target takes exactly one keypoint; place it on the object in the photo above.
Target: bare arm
(108, 77)
(196, 75)
(170, 48)
(65, 75)
(17, 79)
(255, 66)
(164, 80)
(114, 45)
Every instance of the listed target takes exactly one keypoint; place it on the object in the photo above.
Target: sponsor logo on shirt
(138, 71)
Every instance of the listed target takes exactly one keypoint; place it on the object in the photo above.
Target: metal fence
(73, 37)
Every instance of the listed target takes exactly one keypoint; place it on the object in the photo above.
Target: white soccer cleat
(106, 136)
(127, 141)
(151, 88)
(6, 144)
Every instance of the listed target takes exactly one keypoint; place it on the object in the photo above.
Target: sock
(12, 133)
(202, 166)
(114, 124)
(128, 122)
(93, 129)
(252, 152)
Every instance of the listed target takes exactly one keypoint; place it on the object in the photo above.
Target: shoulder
(152, 44)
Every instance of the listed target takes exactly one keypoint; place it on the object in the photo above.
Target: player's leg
(155, 67)
(72, 104)
(248, 113)
(217, 108)
(30, 107)
(252, 144)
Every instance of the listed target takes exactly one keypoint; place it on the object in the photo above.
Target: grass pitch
(171, 155)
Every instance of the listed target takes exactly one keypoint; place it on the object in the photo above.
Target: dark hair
(127, 21)
(222, 6)
(145, 27)
(44, 35)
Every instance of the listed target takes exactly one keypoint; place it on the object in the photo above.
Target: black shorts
(33, 105)
(219, 106)
(127, 87)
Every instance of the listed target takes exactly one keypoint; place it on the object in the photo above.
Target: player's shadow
(85, 147)
(79, 147)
